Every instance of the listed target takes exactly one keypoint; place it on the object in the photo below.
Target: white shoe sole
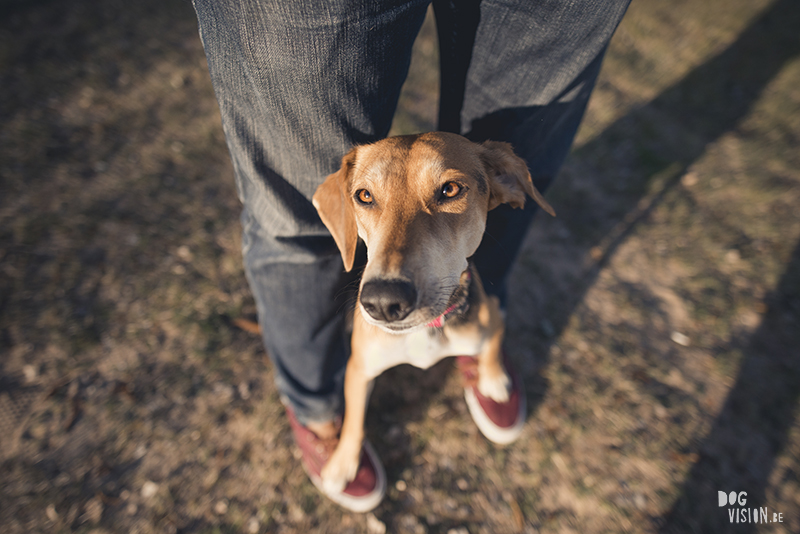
(494, 433)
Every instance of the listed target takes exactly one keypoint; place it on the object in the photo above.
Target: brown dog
(419, 203)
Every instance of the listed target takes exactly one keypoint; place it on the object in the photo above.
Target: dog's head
(419, 203)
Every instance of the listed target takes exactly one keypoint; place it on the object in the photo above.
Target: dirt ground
(657, 318)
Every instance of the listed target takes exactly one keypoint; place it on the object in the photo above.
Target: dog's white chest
(422, 349)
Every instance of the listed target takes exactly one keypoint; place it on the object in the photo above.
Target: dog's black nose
(388, 300)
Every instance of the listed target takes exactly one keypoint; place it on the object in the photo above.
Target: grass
(129, 402)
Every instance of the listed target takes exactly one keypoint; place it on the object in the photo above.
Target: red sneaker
(501, 423)
(365, 492)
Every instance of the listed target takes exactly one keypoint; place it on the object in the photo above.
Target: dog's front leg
(493, 381)
(343, 463)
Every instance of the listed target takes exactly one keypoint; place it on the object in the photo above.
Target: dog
(420, 204)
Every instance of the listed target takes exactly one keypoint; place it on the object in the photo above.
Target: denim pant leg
(298, 83)
(533, 66)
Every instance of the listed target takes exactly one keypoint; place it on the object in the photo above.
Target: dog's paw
(340, 469)
(494, 387)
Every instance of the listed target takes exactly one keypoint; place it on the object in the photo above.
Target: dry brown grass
(657, 318)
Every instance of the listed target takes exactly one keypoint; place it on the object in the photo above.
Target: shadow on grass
(752, 429)
(707, 103)
(52, 52)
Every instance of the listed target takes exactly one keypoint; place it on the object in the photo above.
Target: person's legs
(520, 72)
(298, 83)
(533, 66)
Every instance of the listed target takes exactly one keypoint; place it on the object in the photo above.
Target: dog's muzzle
(388, 300)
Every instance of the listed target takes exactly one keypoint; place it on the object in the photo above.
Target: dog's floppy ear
(335, 208)
(509, 178)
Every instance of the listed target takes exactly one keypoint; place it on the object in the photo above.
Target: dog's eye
(451, 190)
(364, 196)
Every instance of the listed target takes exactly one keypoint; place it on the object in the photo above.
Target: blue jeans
(300, 82)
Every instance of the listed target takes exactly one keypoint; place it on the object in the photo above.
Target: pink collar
(439, 321)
